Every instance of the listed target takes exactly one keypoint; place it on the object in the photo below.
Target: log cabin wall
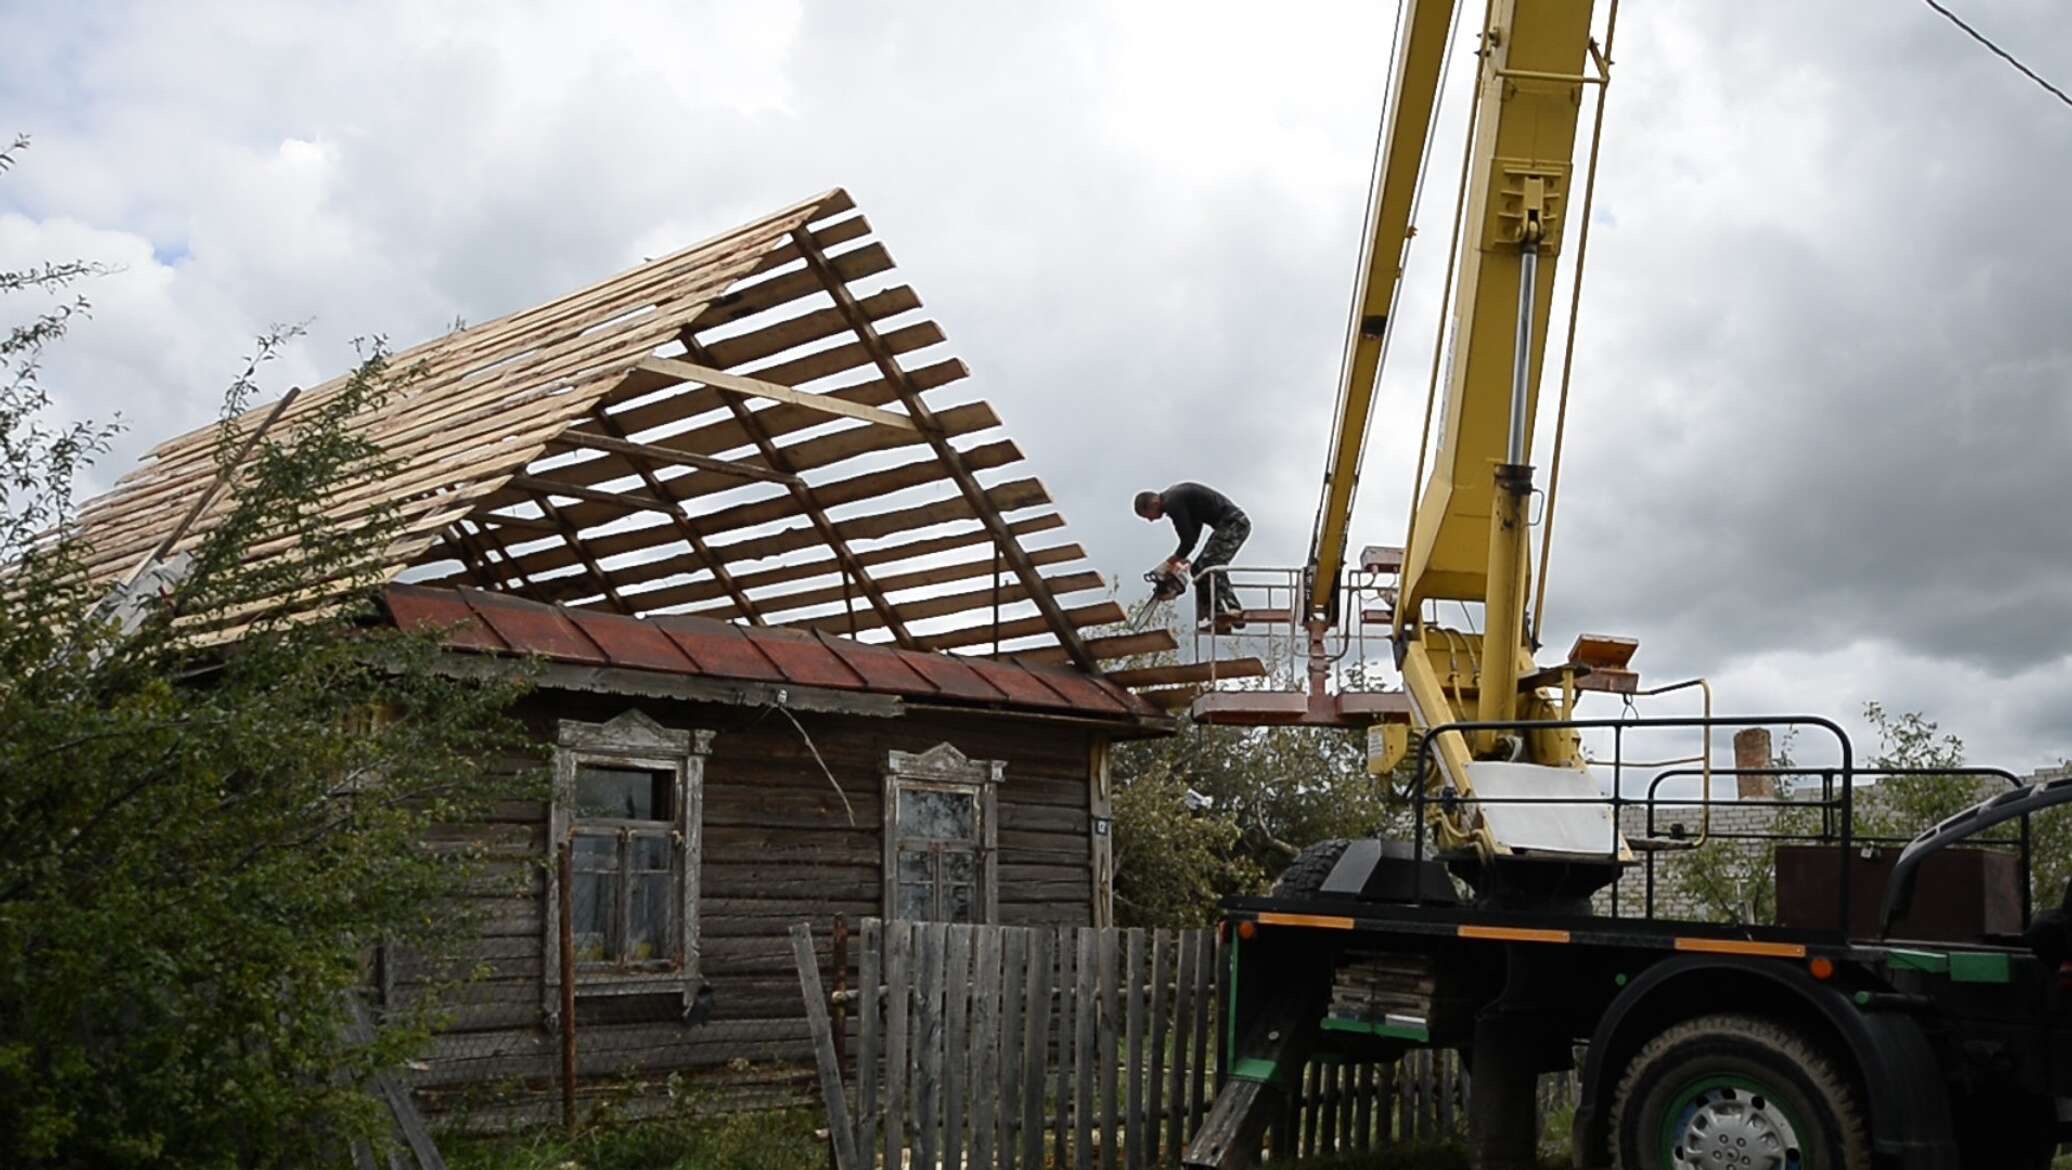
(778, 847)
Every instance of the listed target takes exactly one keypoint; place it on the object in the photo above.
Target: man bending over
(1190, 506)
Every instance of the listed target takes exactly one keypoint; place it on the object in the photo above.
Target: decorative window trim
(943, 766)
(633, 740)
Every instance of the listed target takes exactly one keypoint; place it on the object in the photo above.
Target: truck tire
(1305, 875)
(1736, 1091)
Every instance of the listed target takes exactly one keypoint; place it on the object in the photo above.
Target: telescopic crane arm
(1469, 527)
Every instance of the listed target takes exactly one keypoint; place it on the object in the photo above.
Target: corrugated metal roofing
(475, 619)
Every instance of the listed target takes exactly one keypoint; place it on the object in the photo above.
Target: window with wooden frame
(627, 797)
(941, 836)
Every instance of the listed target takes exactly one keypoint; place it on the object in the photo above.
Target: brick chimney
(1752, 750)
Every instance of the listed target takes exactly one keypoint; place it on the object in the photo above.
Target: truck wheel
(1306, 874)
(1736, 1093)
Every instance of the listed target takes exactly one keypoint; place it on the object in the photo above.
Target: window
(626, 800)
(940, 836)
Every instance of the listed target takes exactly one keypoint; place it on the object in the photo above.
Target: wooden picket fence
(1009, 1047)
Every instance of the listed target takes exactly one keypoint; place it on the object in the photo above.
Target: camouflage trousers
(1221, 548)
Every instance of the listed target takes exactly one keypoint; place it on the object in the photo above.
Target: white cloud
(1819, 414)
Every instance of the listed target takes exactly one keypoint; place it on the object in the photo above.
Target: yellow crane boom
(1469, 527)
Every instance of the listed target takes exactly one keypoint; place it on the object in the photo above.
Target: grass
(742, 1141)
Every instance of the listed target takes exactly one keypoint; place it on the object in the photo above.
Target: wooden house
(797, 658)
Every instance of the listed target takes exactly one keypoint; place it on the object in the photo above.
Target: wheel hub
(1730, 1128)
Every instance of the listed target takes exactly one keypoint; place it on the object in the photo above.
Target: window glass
(634, 794)
(913, 865)
(916, 901)
(595, 896)
(935, 815)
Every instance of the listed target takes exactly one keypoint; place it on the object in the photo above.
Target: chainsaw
(1166, 584)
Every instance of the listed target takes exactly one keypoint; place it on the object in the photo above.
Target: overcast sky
(1818, 443)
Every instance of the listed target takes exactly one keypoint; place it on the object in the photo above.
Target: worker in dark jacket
(1191, 506)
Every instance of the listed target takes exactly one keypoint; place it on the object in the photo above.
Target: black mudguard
(1909, 1105)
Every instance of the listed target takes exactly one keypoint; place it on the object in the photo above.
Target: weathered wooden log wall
(779, 848)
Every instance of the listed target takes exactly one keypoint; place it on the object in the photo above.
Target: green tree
(211, 818)
(1736, 881)
(1218, 811)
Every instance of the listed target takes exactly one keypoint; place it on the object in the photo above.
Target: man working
(1190, 506)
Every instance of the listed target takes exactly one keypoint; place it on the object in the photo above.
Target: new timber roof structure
(753, 429)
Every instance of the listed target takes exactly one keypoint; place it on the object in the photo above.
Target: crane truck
(1899, 1014)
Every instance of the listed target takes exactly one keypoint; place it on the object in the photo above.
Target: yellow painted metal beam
(1532, 87)
(1413, 94)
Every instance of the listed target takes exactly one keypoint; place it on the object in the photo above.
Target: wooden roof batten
(852, 567)
(924, 419)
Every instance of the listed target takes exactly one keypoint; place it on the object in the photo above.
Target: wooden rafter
(574, 538)
(529, 523)
(457, 538)
(924, 418)
(803, 495)
(685, 526)
(540, 486)
(650, 455)
(493, 540)
(684, 371)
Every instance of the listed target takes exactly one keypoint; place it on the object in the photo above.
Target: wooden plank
(1177, 1128)
(1105, 1051)
(1133, 1080)
(934, 940)
(1188, 672)
(1020, 493)
(1097, 614)
(956, 1043)
(831, 277)
(951, 603)
(985, 1079)
(813, 453)
(1346, 1092)
(540, 485)
(1154, 1120)
(1085, 1011)
(1385, 1102)
(706, 590)
(1014, 983)
(1363, 1119)
(1114, 646)
(840, 1132)
(1312, 1078)
(757, 388)
(1204, 1009)
(1061, 1092)
(870, 978)
(1448, 1077)
(578, 439)
(814, 503)
(917, 579)
(1035, 1044)
(692, 534)
(899, 958)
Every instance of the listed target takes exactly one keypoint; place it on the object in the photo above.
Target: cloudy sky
(1818, 445)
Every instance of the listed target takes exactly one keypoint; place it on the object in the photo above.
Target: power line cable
(2003, 54)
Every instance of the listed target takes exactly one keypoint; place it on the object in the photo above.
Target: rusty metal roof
(497, 623)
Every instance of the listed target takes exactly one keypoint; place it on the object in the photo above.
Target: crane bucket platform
(1319, 673)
